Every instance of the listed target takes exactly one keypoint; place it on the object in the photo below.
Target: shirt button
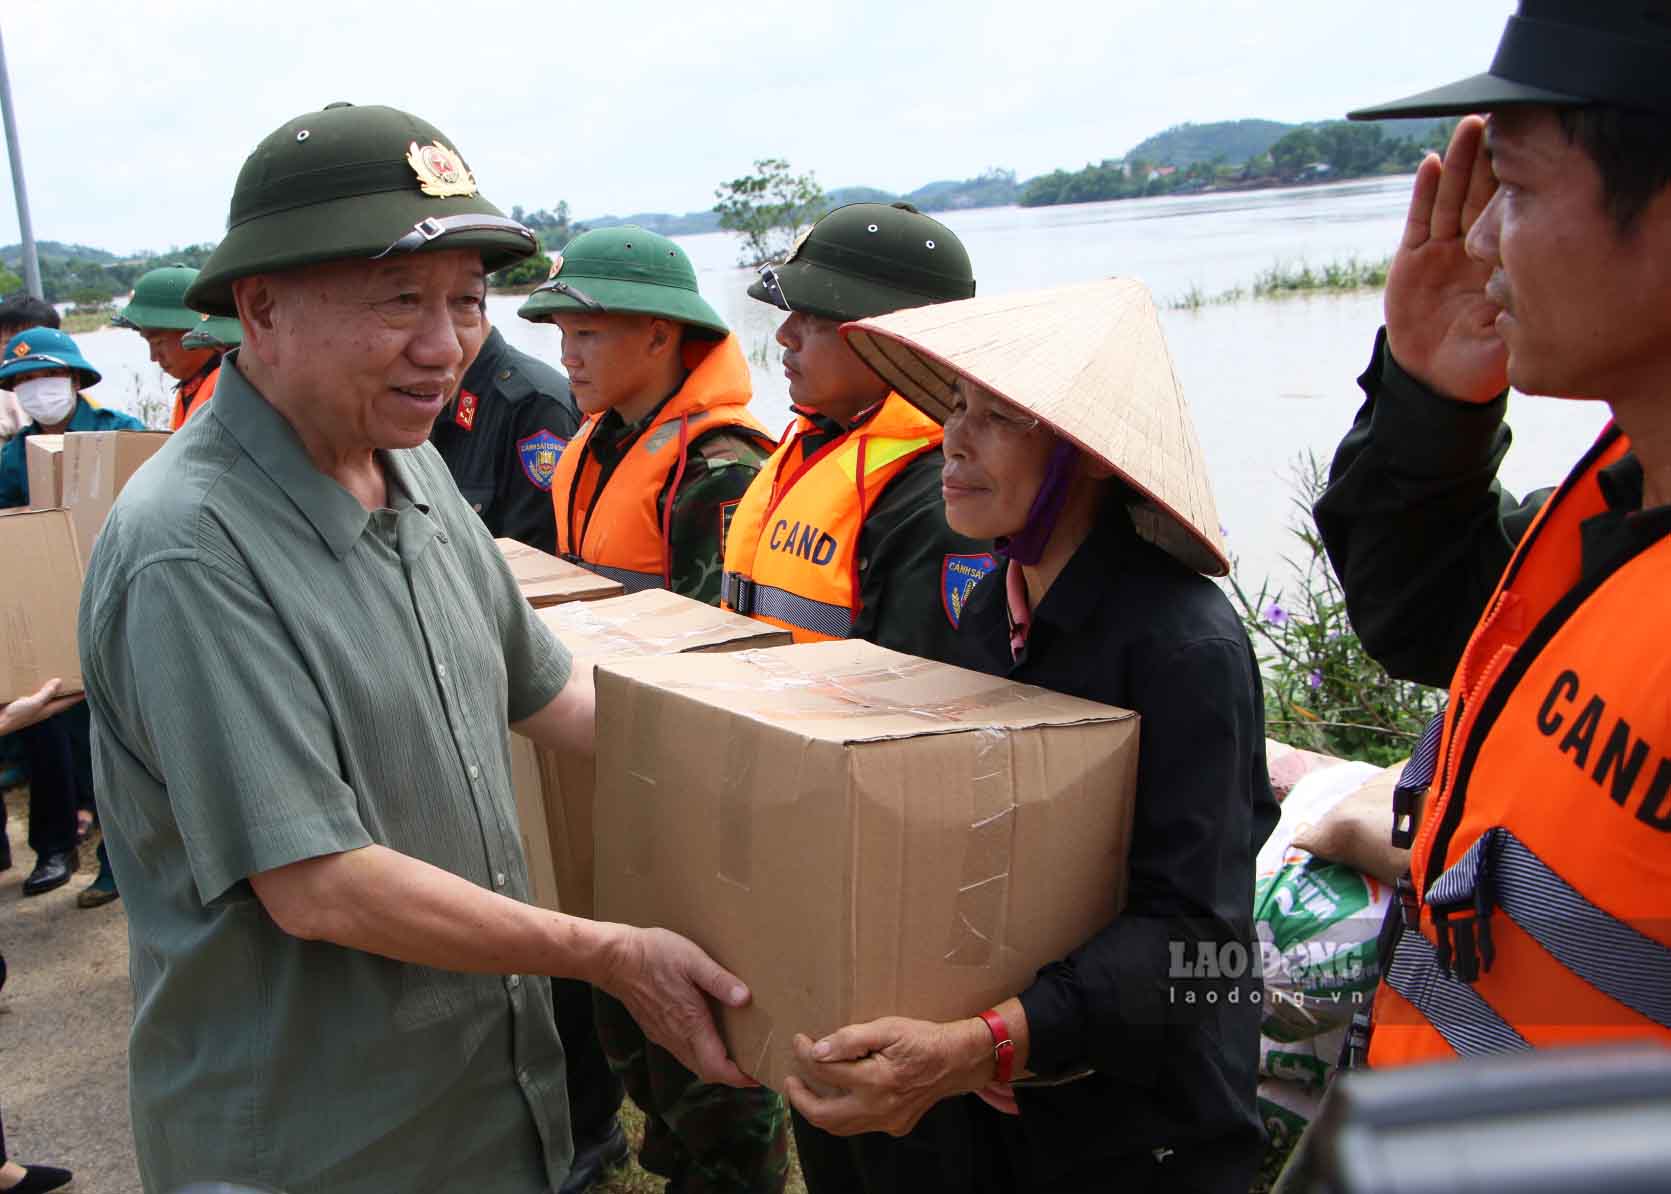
(504, 375)
(441, 670)
(475, 771)
(499, 879)
(477, 507)
(522, 1077)
(514, 981)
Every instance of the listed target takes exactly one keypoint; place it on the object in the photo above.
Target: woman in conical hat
(1128, 1064)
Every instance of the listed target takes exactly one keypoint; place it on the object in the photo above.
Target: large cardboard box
(97, 464)
(38, 602)
(555, 792)
(857, 833)
(546, 580)
(44, 456)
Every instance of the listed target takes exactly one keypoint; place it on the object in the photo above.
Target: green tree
(530, 271)
(10, 283)
(768, 208)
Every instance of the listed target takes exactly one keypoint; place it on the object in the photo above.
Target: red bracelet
(1003, 1048)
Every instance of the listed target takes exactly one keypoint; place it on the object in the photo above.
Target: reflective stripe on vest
(763, 601)
(793, 548)
(632, 582)
(1541, 874)
(624, 530)
(1467, 1022)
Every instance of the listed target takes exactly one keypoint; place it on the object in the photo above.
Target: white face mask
(47, 400)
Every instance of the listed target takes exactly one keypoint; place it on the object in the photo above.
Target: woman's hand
(884, 1076)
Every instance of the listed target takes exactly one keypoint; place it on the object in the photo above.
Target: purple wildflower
(1276, 615)
(1315, 679)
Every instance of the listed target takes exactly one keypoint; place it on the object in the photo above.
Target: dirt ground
(64, 1025)
(64, 1017)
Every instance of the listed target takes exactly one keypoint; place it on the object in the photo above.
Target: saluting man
(843, 534)
(158, 312)
(1535, 911)
(645, 490)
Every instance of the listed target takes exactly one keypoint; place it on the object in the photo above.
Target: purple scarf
(1027, 545)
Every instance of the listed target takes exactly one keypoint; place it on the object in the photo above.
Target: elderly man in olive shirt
(302, 650)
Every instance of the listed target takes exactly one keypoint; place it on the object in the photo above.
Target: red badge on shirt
(465, 415)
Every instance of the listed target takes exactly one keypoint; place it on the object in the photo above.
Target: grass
(86, 321)
(1283, 279)
(632, 1179)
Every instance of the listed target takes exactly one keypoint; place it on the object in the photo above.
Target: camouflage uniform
(703, 1138)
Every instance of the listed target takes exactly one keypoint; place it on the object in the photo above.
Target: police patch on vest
(959, 574)
(539, 453)
(727, 512)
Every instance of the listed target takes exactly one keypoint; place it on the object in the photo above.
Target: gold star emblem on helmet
(441, 172)
(22, 349)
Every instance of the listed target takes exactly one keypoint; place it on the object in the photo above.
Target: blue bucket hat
(35, 350)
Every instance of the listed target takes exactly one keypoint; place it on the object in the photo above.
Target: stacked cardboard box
(44, 456)
(97, 464)
(546, 580)
(857, 833)
(38, 602)
(554, 793)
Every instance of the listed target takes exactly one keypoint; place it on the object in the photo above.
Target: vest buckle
(741, 597)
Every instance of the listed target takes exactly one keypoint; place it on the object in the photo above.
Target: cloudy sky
(134, 117)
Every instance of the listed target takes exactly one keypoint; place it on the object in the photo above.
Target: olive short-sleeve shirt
(277, 674)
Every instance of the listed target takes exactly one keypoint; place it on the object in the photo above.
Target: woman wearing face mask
(1117, 1067)
(46, 373)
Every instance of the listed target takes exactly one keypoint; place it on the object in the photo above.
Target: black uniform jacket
(501, 436)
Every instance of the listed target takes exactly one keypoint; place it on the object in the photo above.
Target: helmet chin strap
(1027, 545)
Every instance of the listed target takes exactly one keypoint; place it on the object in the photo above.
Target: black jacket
(500, 438)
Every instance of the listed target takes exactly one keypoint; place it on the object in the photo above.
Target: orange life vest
(1538, 911)
(192, 396)
(618, 531)
(792, 553)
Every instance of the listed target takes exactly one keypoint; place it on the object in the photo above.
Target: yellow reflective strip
(883, 452)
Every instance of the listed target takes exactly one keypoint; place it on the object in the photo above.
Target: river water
(1266, 379)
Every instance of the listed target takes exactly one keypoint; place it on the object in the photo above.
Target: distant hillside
(52, 250)
(1233, 141)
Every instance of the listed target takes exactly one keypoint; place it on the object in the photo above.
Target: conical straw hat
(1090, 361)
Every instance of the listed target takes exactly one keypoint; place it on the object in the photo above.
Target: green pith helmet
(214, 332)
(628, 271)
(352, 182)
(868, 259)
(159, 303)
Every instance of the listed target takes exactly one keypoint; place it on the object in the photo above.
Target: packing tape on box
(983, 894)
(608, 633)
(23, 658)
(847, 695)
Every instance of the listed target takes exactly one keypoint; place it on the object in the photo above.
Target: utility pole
(31, 264)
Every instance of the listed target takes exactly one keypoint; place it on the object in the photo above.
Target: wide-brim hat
(35, 350)
(1560, 53)
(214, 331)
(625, 270)
(867, 259)
(1091, 363)
(348, 183)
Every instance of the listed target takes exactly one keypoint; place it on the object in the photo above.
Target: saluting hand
(1440, 324)
(664, 981)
